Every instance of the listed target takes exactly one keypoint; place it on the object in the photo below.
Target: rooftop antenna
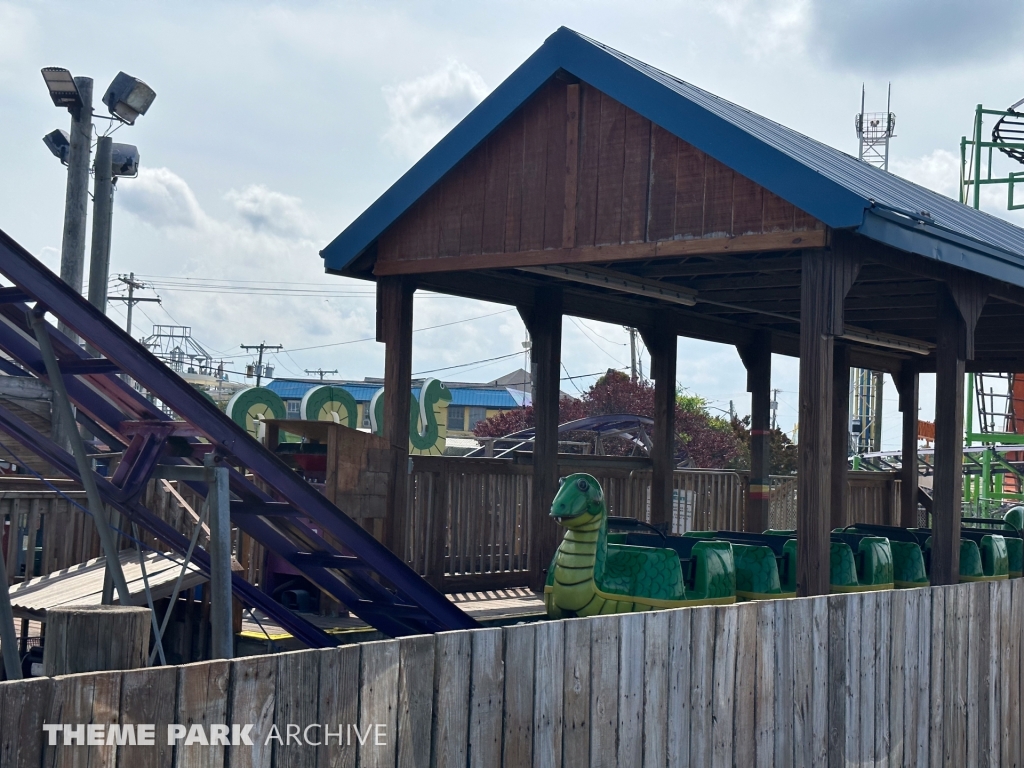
(874, 129)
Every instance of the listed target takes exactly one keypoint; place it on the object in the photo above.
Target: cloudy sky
(276, 124)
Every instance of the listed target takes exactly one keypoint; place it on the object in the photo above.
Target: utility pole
(102, 212)
(320, 372)
(262, 346)
(76, 200)
(775, 409)
(876, 422)
(632, 354)
(131, 299)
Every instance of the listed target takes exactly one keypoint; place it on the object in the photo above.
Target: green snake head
(579, 501)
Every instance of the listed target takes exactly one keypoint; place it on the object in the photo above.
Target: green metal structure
(1008, 138)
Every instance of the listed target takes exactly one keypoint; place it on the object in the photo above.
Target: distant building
(471, 403)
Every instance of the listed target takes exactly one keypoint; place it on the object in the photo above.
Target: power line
(415, 330)
(464, 365)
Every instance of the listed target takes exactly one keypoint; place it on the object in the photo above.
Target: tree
(782, 452)
(702, 440)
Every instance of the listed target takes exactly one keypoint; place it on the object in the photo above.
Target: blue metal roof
(473, 397)
(482, 398)
(289, 390)
(294, 390)
(828, 184)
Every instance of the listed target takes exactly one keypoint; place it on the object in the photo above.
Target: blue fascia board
(565, 50)
(924, 239)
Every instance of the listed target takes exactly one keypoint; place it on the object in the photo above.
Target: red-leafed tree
(704, 440)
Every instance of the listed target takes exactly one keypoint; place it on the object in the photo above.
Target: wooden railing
(907, 677)
(44, 530)
(469, 519)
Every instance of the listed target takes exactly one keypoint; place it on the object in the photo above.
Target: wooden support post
(95, 638)
(947, 483)
(8, 637)
(757, 357)
(959, 305)
(544, 322)
(662, 346)
(826, 277)
(840, 513)
(394, 329)
(222, 638)
(907, 385)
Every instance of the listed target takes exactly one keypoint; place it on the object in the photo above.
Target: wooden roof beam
(603, 254)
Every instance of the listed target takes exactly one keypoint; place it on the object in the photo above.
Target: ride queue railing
(469, 520)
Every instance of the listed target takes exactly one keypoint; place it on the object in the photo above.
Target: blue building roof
(498, 397)
(831, 185)
(482, 398)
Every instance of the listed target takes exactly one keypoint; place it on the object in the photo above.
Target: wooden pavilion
(591, 184)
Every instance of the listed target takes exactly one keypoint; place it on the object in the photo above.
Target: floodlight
(62, 87)
(59, 143)
(124, 160)
(128, 97)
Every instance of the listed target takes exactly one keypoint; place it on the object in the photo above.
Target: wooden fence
(43, 530)
(469, 519)
(924, 677)
(468, 524)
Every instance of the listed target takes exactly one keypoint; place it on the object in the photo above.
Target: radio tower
(874, 129)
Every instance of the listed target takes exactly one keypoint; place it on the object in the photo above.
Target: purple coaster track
(363, 575)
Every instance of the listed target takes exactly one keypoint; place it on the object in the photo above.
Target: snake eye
(582, 484)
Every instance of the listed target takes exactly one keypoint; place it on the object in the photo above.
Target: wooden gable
(571, 175)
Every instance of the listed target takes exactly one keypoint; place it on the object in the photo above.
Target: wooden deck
(491, 608)
(83, 584)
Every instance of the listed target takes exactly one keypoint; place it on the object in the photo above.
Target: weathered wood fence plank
(147, 696)
(576, 701)
(604, 692)
(657, 636)
(338, 702)
(415, 699)
(722, 728)
(520, 645)
(678, 693)
(549, 673)
(487, 697)
(296, 695)
(253, 700)
(378, 704)
(202, 700)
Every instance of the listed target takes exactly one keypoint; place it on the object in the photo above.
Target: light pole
(126, 98)
(75, 94)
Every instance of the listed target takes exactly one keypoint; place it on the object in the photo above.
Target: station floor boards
(495, 607)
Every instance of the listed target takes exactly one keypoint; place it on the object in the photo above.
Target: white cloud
(423, 110)
(269, 211)
(939, 171)
(17, 31)
(767, 26)
(162, 199)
